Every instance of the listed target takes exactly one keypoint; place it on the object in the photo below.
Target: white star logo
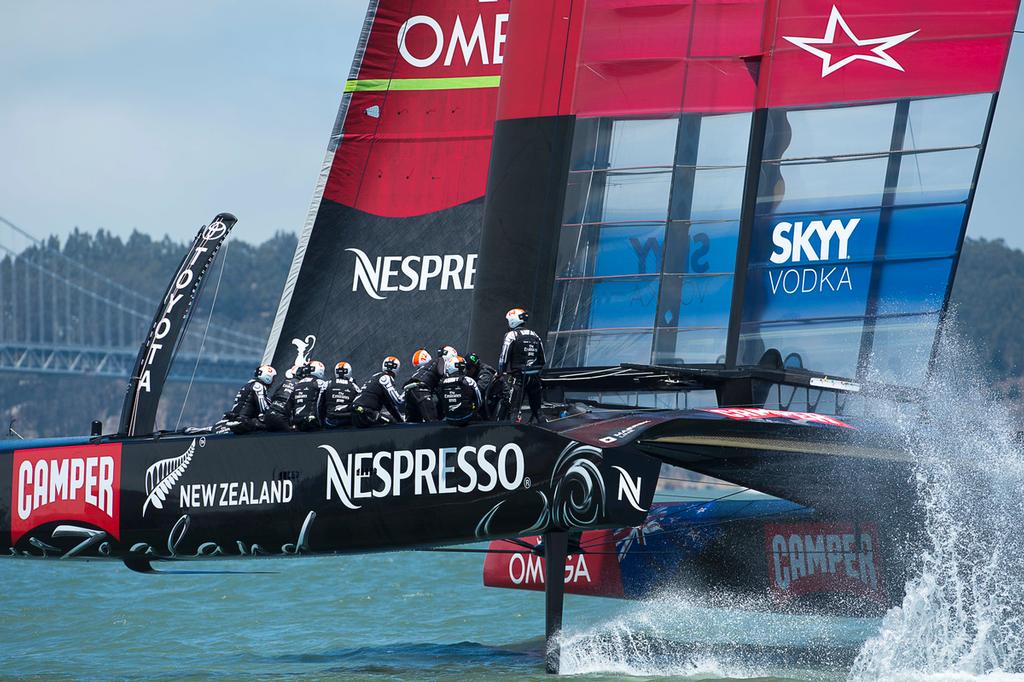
(876, 55)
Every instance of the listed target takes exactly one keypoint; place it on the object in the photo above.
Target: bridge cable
(202, 344)
(41, 244)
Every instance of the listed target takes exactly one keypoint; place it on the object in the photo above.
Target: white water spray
(963, 611)
(962, 617)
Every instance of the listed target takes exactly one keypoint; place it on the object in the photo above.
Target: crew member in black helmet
(459, 398)
(306, 407)
(338, 397)
(520, 362)
(379, 395)
(484, 375)
(276, 417)
(250, 402)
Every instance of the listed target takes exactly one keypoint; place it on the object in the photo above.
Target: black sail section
(387, 261)
(359, 314)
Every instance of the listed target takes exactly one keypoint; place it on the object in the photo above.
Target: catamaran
(735, 223)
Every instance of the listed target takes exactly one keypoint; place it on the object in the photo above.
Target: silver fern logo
(161, 476)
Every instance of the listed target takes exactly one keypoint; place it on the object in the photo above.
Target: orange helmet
(420, 357)
(343, 370)
(391, 364)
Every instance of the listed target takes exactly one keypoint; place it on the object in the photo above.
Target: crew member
(306, 405)
(420, 401)
(338, 397)
(484, 375)
(250, 402)
(276, 417)
(520, 363)
(379, 395)
(458, 395)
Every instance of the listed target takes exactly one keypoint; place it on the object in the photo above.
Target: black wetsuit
(305, 405)
(276, 417)
(521, 360)
(459, 399)
(420, 401)
(484, 376)
(250, 403)
(378, 394)
(337, 399)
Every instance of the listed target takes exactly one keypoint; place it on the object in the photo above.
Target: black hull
(316, 493)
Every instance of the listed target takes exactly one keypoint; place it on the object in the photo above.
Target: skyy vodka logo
(813, 242)
(382, 275)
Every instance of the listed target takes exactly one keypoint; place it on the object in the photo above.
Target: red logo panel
(595, 574)
(824, 558)
(76, 483)
(745, 413)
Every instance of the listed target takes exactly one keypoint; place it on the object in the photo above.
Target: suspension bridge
(59, 316)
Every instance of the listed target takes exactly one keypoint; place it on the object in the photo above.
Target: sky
(156, 116)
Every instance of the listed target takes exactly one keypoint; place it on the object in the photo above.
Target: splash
(962, 615)
(713, 636)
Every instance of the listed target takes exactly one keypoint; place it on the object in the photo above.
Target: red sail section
(417, 134)
(540, 65)
(653, 57)
(881, 49)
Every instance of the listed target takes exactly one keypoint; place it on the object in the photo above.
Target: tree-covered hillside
(988, 296)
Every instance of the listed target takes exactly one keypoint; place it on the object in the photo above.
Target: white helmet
(454, 364)
(265, 374)
(448, 352)
(391, 364)
(317, 369)
(421, 357)
(343, 370)
(516, 317)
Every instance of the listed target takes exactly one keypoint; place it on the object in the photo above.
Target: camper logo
(68, 484)
(382, 275)
(829, 558)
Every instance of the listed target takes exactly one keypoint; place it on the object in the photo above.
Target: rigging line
(456, 550)
(202, 344)
(717, 499)
(708, 524)
(374, 139)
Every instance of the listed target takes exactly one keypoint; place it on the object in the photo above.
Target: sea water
(420, 615)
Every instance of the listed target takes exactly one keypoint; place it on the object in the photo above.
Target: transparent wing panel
(855, 235)
(647, 251)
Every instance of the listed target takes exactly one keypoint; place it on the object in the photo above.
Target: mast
(138, 415)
